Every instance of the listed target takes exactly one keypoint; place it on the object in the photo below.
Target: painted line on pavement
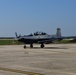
(19, 71)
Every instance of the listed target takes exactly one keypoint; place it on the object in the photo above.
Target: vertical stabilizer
(58, 33)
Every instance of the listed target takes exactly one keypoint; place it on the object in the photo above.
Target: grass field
(15, 42)
(68, 41)
(9, 42)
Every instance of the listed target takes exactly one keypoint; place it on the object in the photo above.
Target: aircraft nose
(21, 39)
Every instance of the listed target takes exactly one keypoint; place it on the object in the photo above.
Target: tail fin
(58, 33)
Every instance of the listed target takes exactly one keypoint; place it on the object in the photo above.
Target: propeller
(17, 35)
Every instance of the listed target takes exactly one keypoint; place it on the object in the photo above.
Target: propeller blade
(16, 34)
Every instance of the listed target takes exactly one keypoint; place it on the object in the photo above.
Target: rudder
(58, 33)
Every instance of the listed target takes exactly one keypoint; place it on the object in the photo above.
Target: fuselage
(40, 38)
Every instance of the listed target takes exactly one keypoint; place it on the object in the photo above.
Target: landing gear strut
(31, 45)
(42, 45)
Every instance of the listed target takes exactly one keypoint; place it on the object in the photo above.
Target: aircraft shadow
(48, 48)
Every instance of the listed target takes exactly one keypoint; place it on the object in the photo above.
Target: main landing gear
(31, 46)
(42, 45)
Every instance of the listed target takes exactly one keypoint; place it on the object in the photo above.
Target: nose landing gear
(24, 46)
(31, 46)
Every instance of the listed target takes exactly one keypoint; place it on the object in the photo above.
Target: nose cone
(21, 39)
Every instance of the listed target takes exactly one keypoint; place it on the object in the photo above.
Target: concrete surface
(54, 59)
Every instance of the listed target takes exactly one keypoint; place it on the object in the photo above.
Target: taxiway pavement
(54, 59)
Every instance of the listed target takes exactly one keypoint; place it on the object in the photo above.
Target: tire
(42, 45)
(31, 45)
(24, 47)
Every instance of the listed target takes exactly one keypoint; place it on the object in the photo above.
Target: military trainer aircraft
(41, 38)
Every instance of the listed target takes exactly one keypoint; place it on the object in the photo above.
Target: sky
(28, 16)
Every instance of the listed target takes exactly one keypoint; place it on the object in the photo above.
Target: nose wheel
(24, 46)
(42, 45)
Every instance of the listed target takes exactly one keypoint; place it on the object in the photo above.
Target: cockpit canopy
(40, 33)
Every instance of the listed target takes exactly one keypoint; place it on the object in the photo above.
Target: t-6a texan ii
(41, 38)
